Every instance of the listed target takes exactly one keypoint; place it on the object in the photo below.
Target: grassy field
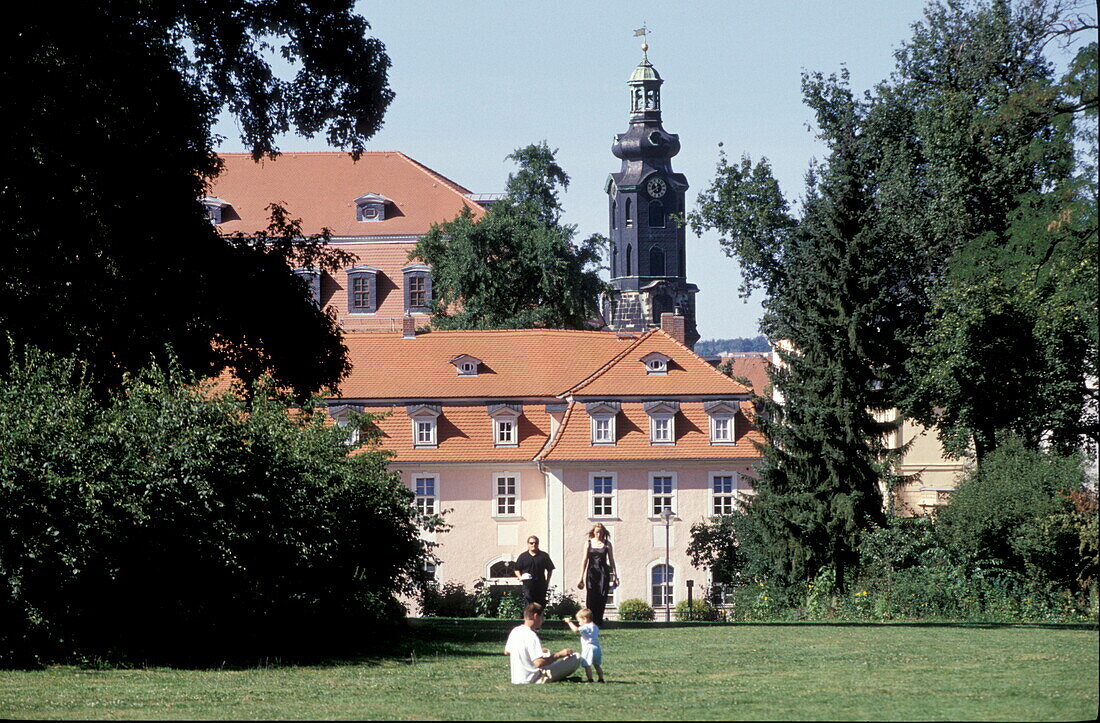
(455, 670)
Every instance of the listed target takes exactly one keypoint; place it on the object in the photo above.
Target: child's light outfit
(591, 654)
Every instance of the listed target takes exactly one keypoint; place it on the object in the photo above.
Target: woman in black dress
(598, 571)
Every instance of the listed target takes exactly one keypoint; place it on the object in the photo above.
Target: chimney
(408, 327)
(673, 325)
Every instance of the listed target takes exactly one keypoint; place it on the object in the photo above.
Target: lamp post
(667, 515)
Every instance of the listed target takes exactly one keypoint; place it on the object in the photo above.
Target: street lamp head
(667, 514)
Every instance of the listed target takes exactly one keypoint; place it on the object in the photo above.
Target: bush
(172, 524)
(498, 601)
(635, 609)
(700, 610)
(561, 606)
(448, 601)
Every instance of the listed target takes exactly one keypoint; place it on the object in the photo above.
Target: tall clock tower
(646, 202)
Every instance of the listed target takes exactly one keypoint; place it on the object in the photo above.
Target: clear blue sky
(474, 81)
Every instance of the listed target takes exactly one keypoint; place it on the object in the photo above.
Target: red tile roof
(321, 187)
(464, 434)
(754, 368)
(688, 374)
(573, 441)
(517, 363)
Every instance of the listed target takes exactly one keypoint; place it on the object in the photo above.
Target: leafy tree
(1010, 511)
(711, 347)
(518, 266)
(176, 524)
(1010, 231)
(832, 278)
(107, 255)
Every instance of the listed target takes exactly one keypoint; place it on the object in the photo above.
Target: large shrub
(635, 609)
(700, 609)
(1008, 509)
(173, 523)
(449, 600)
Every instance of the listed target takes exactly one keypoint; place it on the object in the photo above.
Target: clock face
(656, 187)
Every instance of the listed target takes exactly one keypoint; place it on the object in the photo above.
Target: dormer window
(362, 290)
(722, 415)
(371, 207)
(215, 208)
(656, 363)
(418, 289)
(312, 277)
(345, 417)
(425, 418)
(505, 424)
(662, 422)
(602, 416)
(466, 365)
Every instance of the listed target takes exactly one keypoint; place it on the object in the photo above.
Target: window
(723, 485)
(662, 430)
(505, 424)
(505, 495)
(215, 208)
(362, 290)
(603, 495)
(506, 432)
(344, 417)
(371, 207)
(656, 262)
(312, 277)
(656, 217)
(602, 415)
(721, 415)
(614, 260)
(614, 221)
(425, 423)
(418, 288)
(655, 362)
(426, 501)
(629, 259)
(466, 365)
(629, 214)
(502, 569)
(662, 493)
(720, 429)
(661, 582)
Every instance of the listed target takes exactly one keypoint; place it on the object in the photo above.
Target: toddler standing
(591, 653)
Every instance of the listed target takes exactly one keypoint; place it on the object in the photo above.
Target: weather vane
(643, 31)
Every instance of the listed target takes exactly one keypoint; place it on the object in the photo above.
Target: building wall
(478, 537)
(389, 259)
(934, 475)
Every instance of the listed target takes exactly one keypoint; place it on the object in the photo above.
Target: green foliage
(635, 609)
(498, 601)
(449, 600)
(701, 610)
(1007, 511)
(175, 524)
(711, 347)
(518, 266)
(562, 605)
(107, 254)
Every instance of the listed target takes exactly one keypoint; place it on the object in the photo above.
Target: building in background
(376, 208)
(546, 432)
(648, 259)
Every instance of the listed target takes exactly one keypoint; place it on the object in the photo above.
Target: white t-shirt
(523, 647)
(590, 634)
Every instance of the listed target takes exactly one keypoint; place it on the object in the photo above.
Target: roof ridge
(552, 443)
(713, 369)
(610, 363)
(455, 187)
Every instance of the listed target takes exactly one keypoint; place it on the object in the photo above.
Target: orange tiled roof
(517, 363)
(574, 439)
(321, 187)
(464, 434)
(754, 368)
(688, 374)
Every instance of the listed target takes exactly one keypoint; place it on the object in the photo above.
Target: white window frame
(424, 432)
(434, 498)
(592, 495)
(716, 496)
(498, 497)
(510, 580)
(505, 432)
(671, 495)
(672, 592)
(341, 417)
(662, 440)
(715, 437)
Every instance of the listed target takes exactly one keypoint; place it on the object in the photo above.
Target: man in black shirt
(534, 568)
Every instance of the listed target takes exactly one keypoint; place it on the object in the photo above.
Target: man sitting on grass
(532, 663)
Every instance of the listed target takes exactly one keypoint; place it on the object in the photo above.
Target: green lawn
(455, 670)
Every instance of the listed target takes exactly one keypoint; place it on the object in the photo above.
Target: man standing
(534, 568)
(529, 661)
